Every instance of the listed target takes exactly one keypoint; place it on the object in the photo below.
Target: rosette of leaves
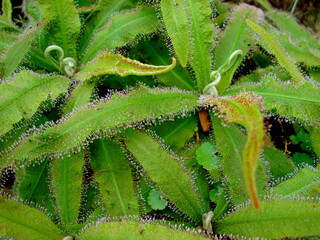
(130, 161)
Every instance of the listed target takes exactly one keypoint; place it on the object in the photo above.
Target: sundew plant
(128, 119)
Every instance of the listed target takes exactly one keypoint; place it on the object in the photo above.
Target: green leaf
(279, 164)
(138, 105)
(176, 133)
(23, 93)
(276, 219)
(206, 156)
(292, 101)
(155, 52)
(65, 15)
(175, 18)
(201, 39)
(243, 109)
(18, 50)
(121, 30)
(231, 142)
(299, 158)
(32, 185)
(66, 182)
(109, 63)
(280, 54)
(237, 36)
(156, 201)
(80, 96)
(19, 221)
(7, 9)
(266, 5)
(299, 185)
(134, 230)
(100, 18)
(218, 195)
(113, 173)
(315, 140)
(167, 172)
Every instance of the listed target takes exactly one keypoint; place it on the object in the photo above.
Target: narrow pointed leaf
(68, 23)
(279, 218)
(134, 230)
(66, 182)
(231, 142)
(167, 173)
(113, 173)
(201, 39)
(278, 51)
(121, 30)
(142, 104)
(176, 19)
(101, 16)
(6, 9)
(238, 35)
(109, 63)
(80, 96)
(22, 95)
(243, 109)
(18, 221)
(17, 51)
(299, 185)
(295, 101)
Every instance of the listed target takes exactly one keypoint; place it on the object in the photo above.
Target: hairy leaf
(17, 51)
(134, 230)
(65, 12)
(113, 173)
(66, 182)
(279, 164)
(175, 18)
(296, 101)
(276, 219)
(6, 9)
(201, 39)
(142, 104)
(168, 174)
(19, 221)
(238, 35)
(109, 63)
(176, 133)
(80, 96)
(22, 94)
(280, 54)
(156, 53)
(299, 185)
(121, 30)
(243, 109)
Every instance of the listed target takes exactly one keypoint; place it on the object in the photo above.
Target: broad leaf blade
(175, 18)
(22, 95)
(302, 101)
(18, 221)
(121, 30)
(280, 54)
(66, 181)
(201, 39)
(142, 104)
(6, 9)
(65, 12)
(243, 109)
(237, 36)
(113, 173)
(134, 230)
(109, 63)
(18, 50)
(279, 218)
(167, 173)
